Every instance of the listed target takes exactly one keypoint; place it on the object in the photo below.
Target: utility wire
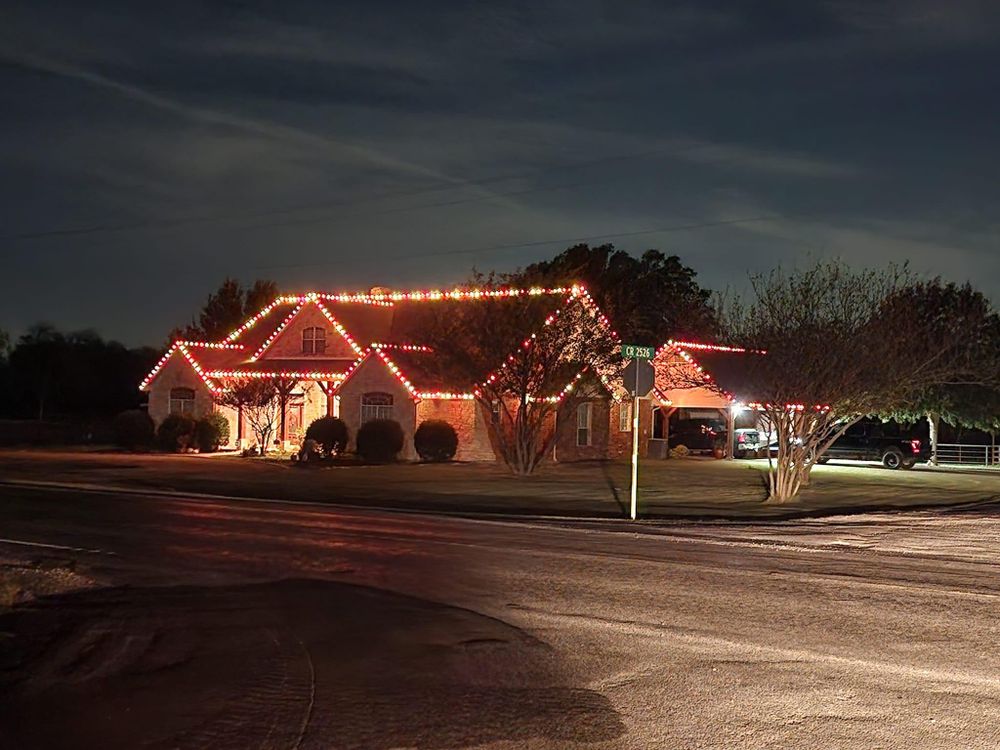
(236, 216)
(562, 240)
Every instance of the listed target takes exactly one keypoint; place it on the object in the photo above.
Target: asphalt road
(256, 625)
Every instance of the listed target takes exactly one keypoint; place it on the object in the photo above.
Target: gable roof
(685, 364)
(386, 318)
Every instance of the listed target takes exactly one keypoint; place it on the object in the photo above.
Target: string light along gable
(340, 329)
(176, 346)
(378, 299)
(713, 347)
(182, 348)
(676, 348)
(386, 299)
(276, 332)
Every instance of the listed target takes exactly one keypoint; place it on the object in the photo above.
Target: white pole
(635, 446)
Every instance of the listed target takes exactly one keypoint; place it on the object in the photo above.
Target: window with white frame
(583, 421)
(625, 416)
(376, 406)
(314, 341)
(182, 400)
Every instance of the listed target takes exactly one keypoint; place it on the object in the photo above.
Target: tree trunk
(934, 420)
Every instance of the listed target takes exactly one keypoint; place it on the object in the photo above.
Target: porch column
(328, 388)
(731, 430)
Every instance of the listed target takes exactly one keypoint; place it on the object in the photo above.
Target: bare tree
(257, 400)
(549, 346)
(842, 344)
(528, 392)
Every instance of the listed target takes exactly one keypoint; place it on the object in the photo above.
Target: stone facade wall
(177, 373)
(373, 375)
(619, 442)
(288, 344)
(566, 448)
(469, 421)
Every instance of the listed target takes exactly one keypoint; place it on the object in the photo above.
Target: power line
(188, 220)
(563, 240)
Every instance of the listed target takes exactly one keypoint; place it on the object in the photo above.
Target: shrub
(210, 432)
(380, 440)
(435, 440)
(330, 433)
(176, 433)
(309, 452)
(134, 429)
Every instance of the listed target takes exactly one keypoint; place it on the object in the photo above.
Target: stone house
(361, 357)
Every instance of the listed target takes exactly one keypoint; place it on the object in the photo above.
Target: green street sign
(634, 351)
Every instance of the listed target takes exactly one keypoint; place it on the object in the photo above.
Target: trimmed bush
(210, 432)
(308, 453)
(435, 440)
(380, 440)
(134, 429)
(176, 433)
(330, 433)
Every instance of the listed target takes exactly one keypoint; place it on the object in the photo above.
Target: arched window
(314, 341)
(182, 400)
(376, 406)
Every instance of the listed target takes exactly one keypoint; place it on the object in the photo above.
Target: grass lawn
(692, 487)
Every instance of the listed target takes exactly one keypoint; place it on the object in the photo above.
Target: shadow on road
(294, 663)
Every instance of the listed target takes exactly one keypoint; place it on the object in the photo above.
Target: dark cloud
(148, 150)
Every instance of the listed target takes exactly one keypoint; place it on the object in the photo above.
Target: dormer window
(314, 341)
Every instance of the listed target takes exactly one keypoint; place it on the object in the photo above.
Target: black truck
(892, 445)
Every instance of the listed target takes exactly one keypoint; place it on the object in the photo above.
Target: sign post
(638, 378)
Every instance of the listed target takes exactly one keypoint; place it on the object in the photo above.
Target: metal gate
(959, 454)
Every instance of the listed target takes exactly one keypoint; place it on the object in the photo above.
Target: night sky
(147, 150)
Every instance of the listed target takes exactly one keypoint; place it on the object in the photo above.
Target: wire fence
(959, 454)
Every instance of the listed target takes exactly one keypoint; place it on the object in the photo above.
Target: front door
(294, 429)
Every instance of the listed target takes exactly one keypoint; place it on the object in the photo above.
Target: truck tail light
(915, 444)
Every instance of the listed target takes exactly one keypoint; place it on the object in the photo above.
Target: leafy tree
(256, 400)
(649, 299)
(973, 405)
(518, 395)
(226, 308)
(134, 429)
(843, 344)
(4, 344)
(259, 295)
(36, 365)
(76, 374)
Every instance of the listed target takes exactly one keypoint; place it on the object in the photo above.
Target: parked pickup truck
(708, 436)
(872, 441)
